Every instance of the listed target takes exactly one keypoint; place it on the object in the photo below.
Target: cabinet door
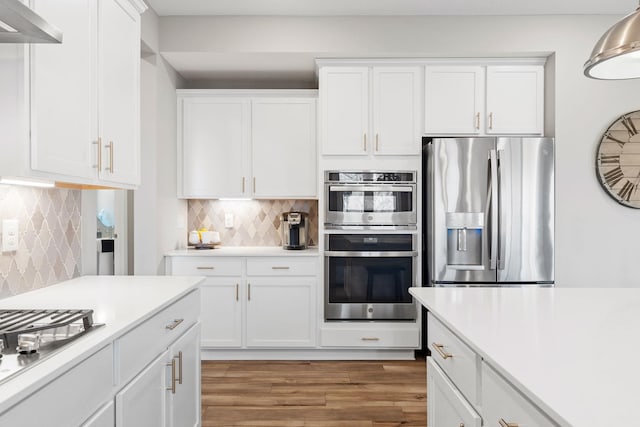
(119, 91)
(221, 312)
(185, 402)
(283, 136)
(396, 110)
(143, 402)
(453, 100)
(63, 104)
(105, 417)
(446, 405)
(344, 118)
(281, 311)
(515, 100)
(215, 147)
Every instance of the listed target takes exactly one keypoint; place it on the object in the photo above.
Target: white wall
(157, 211)
(596, 239)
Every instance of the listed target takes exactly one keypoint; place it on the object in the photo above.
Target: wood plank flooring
(314, 393)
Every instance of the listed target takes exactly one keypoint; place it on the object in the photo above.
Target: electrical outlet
(228, 220)
(9, 235)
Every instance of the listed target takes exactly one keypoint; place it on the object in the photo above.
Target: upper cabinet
(370, 110)
(247, 144)
(80, 99)
(484, 100)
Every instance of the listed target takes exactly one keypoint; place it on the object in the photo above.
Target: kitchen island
(97, 375)
(571, 354)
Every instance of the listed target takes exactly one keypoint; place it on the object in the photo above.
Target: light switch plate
(228, 220)
(9, 235)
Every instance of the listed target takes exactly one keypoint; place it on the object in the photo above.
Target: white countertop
(233, 251)
(574, 352)
(120, 302)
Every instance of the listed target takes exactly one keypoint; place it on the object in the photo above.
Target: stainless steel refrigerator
(489, 211)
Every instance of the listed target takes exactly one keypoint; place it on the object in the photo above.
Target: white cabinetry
(105, 417)
(258, 144)
(78, 114)
(447, 406)
(159, 361)
(484, 100)
(463, 389)
(254, 302)
(370, 110)
(86, 387)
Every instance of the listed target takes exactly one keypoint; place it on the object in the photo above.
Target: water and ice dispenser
(465, 232)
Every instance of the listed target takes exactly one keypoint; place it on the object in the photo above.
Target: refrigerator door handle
(493, 201)
(501, 237)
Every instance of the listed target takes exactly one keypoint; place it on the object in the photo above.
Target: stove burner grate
(15, 322)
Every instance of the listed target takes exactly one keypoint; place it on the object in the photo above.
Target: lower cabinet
(465, 391)
(280, 312)
(446, 405)
(103, 418)
(254, 302)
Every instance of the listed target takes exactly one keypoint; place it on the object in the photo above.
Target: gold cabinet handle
(174, 325)
(237, 291)
(243, 184)
(370, 339)
(173, 376)
(364, 138)
(461, 424)
(440, 349)
(179, 357)
(110, 156)
(249, 291)
(503, 423)
(279, 268)
(99, 144)
(254, 184)
(477, 120)
(490, 120)
(377, 149)
(205, 268)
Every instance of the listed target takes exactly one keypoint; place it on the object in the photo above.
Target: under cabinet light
(231, 199)
(29, 182)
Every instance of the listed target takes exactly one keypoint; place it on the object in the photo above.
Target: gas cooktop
(30, 336)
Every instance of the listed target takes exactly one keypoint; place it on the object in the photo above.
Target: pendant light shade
(617, 53)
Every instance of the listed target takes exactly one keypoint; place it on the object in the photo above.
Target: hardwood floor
(314, 393)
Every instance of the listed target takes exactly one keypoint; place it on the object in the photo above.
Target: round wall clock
(618, 160)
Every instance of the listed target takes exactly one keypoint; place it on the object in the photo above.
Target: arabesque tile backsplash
(256, 222)
(49, 248)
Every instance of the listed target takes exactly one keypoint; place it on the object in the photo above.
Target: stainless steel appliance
(370, 198)
(295, 230)
(368, 276)
(490, 211)
(29, 336)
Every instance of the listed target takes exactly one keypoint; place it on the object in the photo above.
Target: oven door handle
(371, 188)
(364, 254)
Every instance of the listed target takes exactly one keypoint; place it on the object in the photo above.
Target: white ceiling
(390, 7)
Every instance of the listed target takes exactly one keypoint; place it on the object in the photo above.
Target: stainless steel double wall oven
(371, 253)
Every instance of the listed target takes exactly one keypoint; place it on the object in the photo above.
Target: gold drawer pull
(179, 357)
(205, 268)
(370, 339)
(237, 291)
(279, 268)
(173, 376)
(477, 120)
(503, 423)
(439, 348)
(175, 324)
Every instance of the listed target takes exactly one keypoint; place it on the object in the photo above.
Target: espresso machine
(295, 230)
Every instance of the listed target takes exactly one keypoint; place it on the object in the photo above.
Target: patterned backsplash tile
(49, 248)
(256, 222)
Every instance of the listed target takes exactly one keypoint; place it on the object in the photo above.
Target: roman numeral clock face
(618, 160)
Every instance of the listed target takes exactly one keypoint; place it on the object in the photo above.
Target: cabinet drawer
(282, 266)
(384, 338)
(455, 358)
(204, 266)
(69, 399)
(501, 401)
(142, 344)
(445, 405)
